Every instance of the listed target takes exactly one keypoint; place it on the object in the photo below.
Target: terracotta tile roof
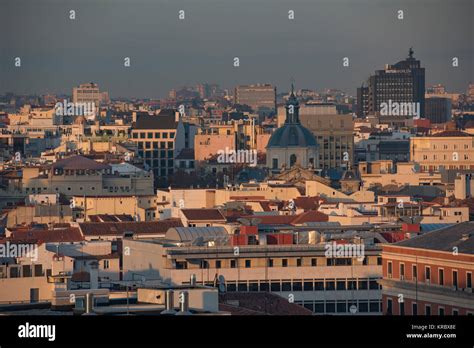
(308, 203)
(451, 133)
(203, 214)
(247, 198)
(70, 234)
(310, 216)
(110, 218)
(119, 228)
(79, 162)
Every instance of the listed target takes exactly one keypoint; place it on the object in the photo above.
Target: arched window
(292, 160)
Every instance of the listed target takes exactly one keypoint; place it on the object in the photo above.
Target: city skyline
(63, 53)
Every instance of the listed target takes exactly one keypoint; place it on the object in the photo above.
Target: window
(275, 286)
(284, 263)
(330, 285)
(402, 271)
(299, 262)
(389, 269)
(248, 263)
(414, 272)
(330, 307)
(242, 286)
(286, 285)
(389, 306)
(441, 311)
(455, 279)
(469, 280)
(270, 262)
(427, 309)
(341, 285)
(441, 276)
(319, 285)
(253, 286)
(402, 308)
(308, 285)
(275, 163)
(218, 264)
(319, 307)
(264, 286)
(106, 264)
(341, 307)
(373, 285)
(232, 263)
(231, 287)
(297, 285)
(374, 306)
(313, 262)
(414, 308)
(427, 274)
(363, 284)
(363, 306)
(455, 312)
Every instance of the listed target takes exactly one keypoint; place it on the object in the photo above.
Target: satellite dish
(221, 282)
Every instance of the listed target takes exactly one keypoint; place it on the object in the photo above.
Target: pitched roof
(111, 218)
(79, 162)
(460, 235)
(68, 234)
(310, 216)
(203, 214)
(262, 302)
(451, 133)
(308, 203)
(119, 228)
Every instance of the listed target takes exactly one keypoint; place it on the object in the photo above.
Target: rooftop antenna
(410, 52)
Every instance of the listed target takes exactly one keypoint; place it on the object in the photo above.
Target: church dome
(292, 133)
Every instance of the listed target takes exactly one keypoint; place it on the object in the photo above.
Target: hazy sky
(58, 53)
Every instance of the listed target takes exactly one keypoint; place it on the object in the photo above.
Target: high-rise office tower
(403, 82)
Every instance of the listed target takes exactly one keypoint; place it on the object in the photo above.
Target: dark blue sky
(58, 53)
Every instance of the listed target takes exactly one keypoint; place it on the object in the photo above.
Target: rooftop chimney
(169, 302)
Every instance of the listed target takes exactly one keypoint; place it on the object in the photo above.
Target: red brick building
(431, 274)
